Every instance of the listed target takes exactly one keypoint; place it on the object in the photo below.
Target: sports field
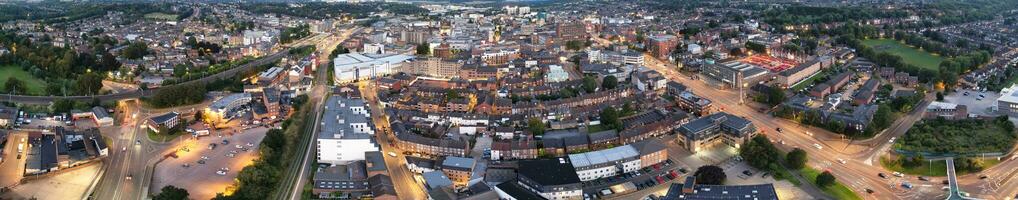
(908, 54)
(35, 85)
(161, 16)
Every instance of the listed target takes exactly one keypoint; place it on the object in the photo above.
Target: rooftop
(595, 158)
(553, 171)
(458, 163)
(338, 117)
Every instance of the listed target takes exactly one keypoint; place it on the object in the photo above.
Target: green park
(35, 85)
(908, 54)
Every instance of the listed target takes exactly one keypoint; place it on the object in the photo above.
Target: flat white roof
(941, 105)
(1009, 94)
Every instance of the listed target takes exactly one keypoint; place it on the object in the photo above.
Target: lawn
(159, 137)
(938, 168)
(838, 190)
(161, 16)
(970, 136)
(35, 85)
(802, 84)
(908, 54)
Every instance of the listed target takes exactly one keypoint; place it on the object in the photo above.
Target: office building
(346, 132)
(553, 178)
(356, 66)
(718, 128)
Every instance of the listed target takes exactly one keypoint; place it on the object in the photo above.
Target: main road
(854, 173)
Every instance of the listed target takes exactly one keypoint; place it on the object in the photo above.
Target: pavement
(12, 168)
(982, 107)
(403, 180)
(70, 184)
(854, 173)
(201, 180)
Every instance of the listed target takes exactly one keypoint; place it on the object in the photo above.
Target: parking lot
(202, 180)
(68, 184)
(13, 165)
(976, 106)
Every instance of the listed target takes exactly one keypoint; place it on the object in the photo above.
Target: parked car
(882, 175)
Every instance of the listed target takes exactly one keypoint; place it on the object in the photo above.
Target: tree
(710, 175)
(574, 45)
(610, 119)
(609, 82)
(775, 95)
(535, 126)
(170, 192)
(825, 179)
(589, 84)
(135, 50)
(756, 47)
(760, 153)
(88, 84)
(423, 49)
(796, 159)
(15, 86)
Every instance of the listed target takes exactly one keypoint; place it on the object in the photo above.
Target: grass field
(161, 137)
(838, 190)
(161, 16)
(908, 54)
(935, 168)
(35, 85)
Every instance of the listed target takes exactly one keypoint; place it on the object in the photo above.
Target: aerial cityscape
(508, 99)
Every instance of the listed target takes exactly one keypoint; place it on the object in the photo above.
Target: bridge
(955, 193)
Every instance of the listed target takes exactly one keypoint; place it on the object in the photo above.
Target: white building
(227, 107)
(616, 58)
(605, 163)
(1007, 104)
(356, 66)
(374, 48)
(345, 132)
(556, 74)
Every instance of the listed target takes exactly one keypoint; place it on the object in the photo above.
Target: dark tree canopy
(825, 179)
(710, 175)
(170, 192)
(609, 82)
(796, 159)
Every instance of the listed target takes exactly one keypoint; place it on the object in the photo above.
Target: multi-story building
(734, 73)
(346, 132)
(414, 143)
(689, 189)
(270, 98)
(164, 121)
(660, 46)
(458, 169)
(1007, 103)
(605, 163)
(553, 178)
(355, 66)
(715, 129)
(271, 76)
(867, 92)
(569, 31)
(946, 110)
(433, 67)
(616, 58)
(226, 108)
(831, 86)
(798, 73)
(694, 103)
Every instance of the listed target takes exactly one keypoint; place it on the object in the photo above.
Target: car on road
(128, 177)
(921, 178)
(212, 146)
(778, 129)
(201, 162)
(231, 155)
(906, 185)
(898, 174)
(869, 191)
(204, 157)
(186, 165)
(238, 146)
(881, 175)
(221, 173)
(250, 144)
(891, 140)
(818, 146)
(392, 154)
(137, 142)
(842, 161)
(226, 142)
(747, 173)
(983, 176)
